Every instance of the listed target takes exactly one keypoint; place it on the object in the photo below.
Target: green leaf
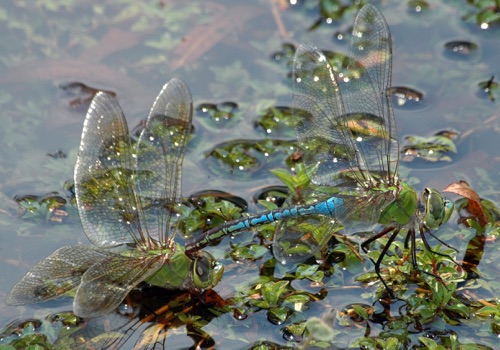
(279, 313)
(271, 292)
(360, 310)
(428, 343)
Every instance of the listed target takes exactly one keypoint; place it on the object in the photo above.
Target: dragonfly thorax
(402, 208)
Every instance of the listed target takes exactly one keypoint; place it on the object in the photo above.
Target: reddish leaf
(213, 298)
(474, 207)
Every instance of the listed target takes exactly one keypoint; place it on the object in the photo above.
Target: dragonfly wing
(317, 104)
(123, 331)
(103, 176)
(104, 286)
(346, 123)
(108, 331)
(161, 149)
(369, 91)
(55, 275)
(298, 238)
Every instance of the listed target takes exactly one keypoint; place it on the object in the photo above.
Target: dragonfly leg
(428, 247)
(373, 238)
(379, 261)
(407, 240)
(439, 240)
(411, 233)
(382, 254)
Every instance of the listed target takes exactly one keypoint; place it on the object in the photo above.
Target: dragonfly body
(347, 134)
(129, 199)
(330, 207)
(399, 208)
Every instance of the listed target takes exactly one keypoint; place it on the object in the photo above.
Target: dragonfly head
(438, 209)
(206, 271)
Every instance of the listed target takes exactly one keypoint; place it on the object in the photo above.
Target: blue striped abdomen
(331, 207)
(326, 208)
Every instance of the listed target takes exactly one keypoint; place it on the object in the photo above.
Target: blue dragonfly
(347, 133)
(129, 200)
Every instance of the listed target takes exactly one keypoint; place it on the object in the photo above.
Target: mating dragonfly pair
(129, 196)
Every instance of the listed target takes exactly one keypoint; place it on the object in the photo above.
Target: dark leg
(411, 235)
(382, 254)
(427, 246)
(374, 238)
(414, 255)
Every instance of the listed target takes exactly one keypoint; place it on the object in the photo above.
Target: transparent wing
(103, 176)
(104, 286)
(55, 275)
(161, 149)
(346, 129)
(104, 332)
(305, 238)
(115, 331)
(368, 92)
(297, 239)
(317, 104)
(345, 123)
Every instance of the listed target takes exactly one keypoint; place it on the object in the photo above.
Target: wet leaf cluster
(49, 208)
(435, 148)
(280, 301)
(485, 12)
(247, 156)
(207, 211)
(278, 121)
(37, 333)
(221, 114)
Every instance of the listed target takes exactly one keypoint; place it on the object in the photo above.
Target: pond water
(235, 56)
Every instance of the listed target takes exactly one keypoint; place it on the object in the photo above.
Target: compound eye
(437, 209)
(206, 271)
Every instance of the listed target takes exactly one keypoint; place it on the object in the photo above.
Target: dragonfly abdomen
(328, 207)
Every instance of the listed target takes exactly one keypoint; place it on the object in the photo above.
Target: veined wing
(103, 176)
(347, 132)
(55, 275)
(104, 285)
(368, 92)
(160, 153)
(317, 104)
(104, 332)
(342, 123)
(298, 238)
(116, 331)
